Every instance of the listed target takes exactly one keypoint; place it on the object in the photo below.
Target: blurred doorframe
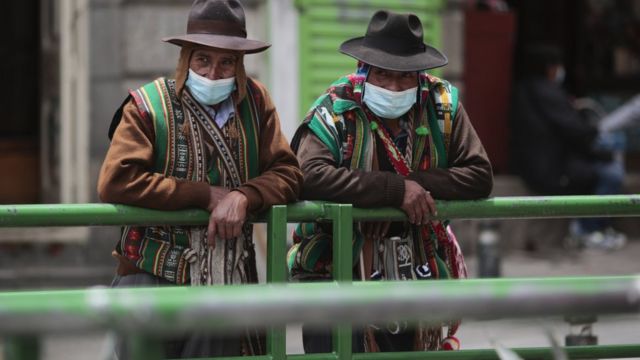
(63, 132)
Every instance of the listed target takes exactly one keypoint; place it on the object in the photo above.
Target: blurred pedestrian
(554, 148)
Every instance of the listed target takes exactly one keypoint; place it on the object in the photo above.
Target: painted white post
(284, 80)
(74, 101)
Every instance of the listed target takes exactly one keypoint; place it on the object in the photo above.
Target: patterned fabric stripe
(161, 257)
(452, 115)
(129, 244)
(143, 109)
(251, 129)
(172, 257)
(421, 145)
(243, 154)
(184, 274)
(148, 256)
(179, 162)
(447, 121)
(438, 157)
(154, 101)
(160, 107)
(443, 112)
(326, 132)
(358, 79)
(197, 150)
(218, 140)
(179, 236)
(444, 98)
(393, 153)
(359, 144)
(159, 260)
(214, 173)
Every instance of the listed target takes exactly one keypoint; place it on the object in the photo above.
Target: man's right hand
(227, 218)
(417, 203)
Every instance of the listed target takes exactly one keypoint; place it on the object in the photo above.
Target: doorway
(20, 104)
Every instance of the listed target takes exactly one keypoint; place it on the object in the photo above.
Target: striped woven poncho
(351, 133)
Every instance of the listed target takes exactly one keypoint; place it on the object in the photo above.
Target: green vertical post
(277, 272)
(21, 348)
(277, 244)
(342, 217)
(145, 348)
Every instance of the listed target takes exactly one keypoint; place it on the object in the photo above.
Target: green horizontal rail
(23, 314)
(175, 309)
(496, 208)
(376, 4)
(540, 353)
(573, 352)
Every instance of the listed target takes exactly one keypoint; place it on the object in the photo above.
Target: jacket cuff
(394, 193)
(254, 199)
(195, 194)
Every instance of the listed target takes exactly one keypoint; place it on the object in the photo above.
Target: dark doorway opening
(20, 103)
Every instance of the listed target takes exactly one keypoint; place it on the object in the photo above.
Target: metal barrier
(25, 315)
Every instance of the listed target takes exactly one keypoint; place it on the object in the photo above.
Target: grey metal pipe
(176, 309)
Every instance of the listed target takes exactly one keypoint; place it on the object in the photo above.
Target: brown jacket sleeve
(324, 180)
(469, 175)
(127, 175)
(280, 176)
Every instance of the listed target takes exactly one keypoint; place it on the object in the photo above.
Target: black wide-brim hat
(394, 42)
(219, 24)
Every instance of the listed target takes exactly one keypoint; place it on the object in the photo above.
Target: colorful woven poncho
(350, 132)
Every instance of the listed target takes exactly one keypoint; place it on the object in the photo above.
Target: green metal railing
(25, 315)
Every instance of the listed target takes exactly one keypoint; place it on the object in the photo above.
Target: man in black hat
(390, 134)
(210, 139)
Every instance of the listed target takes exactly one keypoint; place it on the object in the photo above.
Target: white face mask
(207, 91)
(386, 103)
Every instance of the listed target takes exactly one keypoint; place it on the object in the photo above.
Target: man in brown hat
(210, 139)
(390, 134)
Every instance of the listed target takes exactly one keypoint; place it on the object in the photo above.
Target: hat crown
(218, 24)
(217, 17)
(395, 33)
(395, 42)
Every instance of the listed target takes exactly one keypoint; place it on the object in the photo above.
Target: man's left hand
(227, 217)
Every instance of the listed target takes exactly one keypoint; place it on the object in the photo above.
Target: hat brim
(219, 41)
(429, 59)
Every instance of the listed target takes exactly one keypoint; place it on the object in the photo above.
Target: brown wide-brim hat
(394, 42)
(219, 24)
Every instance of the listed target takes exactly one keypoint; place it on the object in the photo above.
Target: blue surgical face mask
(386, 103)
(209, 92)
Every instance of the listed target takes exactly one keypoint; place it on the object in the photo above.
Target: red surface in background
(488, 57)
